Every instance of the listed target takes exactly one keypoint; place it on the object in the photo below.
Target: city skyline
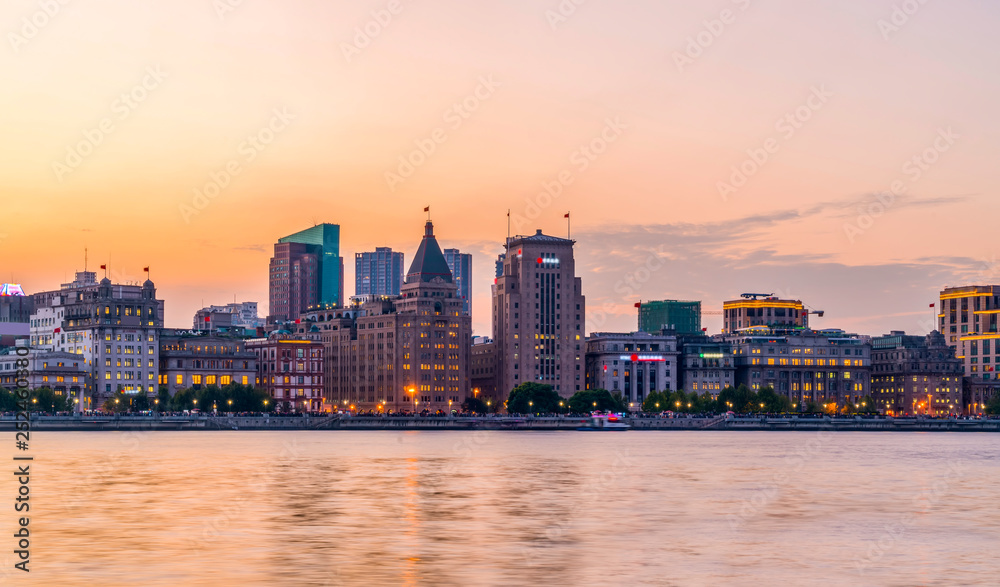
(644, 157)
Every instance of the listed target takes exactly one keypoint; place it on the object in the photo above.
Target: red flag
(932, 305)
(146, 269)
(567, 215)
(298, 320)
(208, 318)
(427, 209)
(104, 266)
(638, 304)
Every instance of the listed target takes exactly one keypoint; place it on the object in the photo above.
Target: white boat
(605, 423)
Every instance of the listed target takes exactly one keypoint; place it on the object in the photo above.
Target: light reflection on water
(509, 508)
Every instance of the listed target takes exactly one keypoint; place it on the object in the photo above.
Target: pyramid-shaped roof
(429, 261)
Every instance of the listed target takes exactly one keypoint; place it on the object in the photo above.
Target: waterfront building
(378, 273)
(484, 372)
(64, 373)
(398, 353)
(306, 271)
(822, 366)
(539, 312)
(290, 370)
(968, 320)
(203, 360)
(634, 364)
(916, 375)
(461, 273)
(707, 364)
(114, 328)
(683, 317)
(769, 311)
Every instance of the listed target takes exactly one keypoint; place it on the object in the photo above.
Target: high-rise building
(916, 375)
(306, 271)
(968, 319)
(461, 273)
(404, 353)
(770, 312)
(680, 316)
(378, 273)
(539, 312)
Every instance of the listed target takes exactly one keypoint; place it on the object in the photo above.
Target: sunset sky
(618, 99)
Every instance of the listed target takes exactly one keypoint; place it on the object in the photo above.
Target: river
(330, 508)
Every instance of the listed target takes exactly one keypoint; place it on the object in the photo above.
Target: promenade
(522, 423)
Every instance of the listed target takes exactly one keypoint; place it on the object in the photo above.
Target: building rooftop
(429, 262)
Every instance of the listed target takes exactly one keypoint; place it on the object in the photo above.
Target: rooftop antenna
(84, 259)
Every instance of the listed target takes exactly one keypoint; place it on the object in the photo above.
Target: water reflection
(504, 508)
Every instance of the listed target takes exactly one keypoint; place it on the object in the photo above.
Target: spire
(429, 261)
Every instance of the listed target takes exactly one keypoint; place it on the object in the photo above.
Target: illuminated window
(180, 380)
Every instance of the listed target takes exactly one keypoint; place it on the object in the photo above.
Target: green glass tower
(683, 316)
(324, 241)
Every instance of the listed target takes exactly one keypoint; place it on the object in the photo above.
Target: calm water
(505, 508)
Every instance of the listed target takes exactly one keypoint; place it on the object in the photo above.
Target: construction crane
(754, 296)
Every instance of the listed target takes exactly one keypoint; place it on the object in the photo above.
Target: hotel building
(968, 320)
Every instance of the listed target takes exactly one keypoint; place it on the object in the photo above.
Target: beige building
(634, 364)
(539, 312)
(770, 312)
(399, 353)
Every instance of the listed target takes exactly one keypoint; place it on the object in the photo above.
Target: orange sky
(534, 95)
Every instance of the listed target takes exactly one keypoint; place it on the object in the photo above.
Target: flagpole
(508, 227)
(569, 231)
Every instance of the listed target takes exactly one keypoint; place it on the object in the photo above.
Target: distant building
(819, 366)
(114, 328)
(64, 373)
(306, 271)
(680, 316)
(378, 273)
(633, 364)
(461, 273)
(916, 375)
(290, 370)
(398, 353)
(539, 312)
(770, 312)
(15, 313)
(968, 319)
(198, 361)
(708, 364)
(238, 315)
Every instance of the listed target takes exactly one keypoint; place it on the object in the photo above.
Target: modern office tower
(680, 316)
(916, 375)
(306, 271)
(461, 273)
(539, 312)
(406, 353)
(828, 366)
(968, 320)
(634, 364)
(114, 328)
(378, 273)
(768, 312)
